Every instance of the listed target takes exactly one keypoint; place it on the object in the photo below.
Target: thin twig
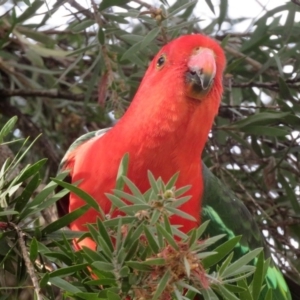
(54, 94)
(29, 265)
(81, 9)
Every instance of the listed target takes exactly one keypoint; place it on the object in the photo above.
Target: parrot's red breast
(164, 130)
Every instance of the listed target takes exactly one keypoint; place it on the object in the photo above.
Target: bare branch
(29, 265)
(274, 86)
(54, 94)
(81, 9)
(254, 63)
(297, 2)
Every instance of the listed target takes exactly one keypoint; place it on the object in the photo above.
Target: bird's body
(164, 131)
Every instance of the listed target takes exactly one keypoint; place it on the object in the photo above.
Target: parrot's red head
(189, 66)
(195, 60)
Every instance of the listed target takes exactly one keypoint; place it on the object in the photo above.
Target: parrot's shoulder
(68, 159)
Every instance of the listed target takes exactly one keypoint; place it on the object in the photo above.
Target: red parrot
(164, 130)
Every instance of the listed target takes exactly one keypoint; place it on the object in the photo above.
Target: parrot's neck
(165, 141)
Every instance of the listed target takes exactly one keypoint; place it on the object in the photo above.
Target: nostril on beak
(196, 72)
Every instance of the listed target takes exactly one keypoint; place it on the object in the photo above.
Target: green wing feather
(63, 203)
(81, 140)
(229, 215)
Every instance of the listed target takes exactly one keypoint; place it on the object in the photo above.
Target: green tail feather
(229, 215)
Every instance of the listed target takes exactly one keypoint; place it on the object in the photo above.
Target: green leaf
(211, 6)
(258, 277)
(104, 234)
(226, 293)
(8, 213)
(44, 281)
(103, 266)
(133, 247)
(222, 251)
(101, 242)
(209, 294)
(30, 11)
(161, 286)
(133, 199)
(269, 295)
(7, 128)
(284, 90)
(68, 270)
(65, 220)
(200, 230)
(264, 130)
(40, 197)
(261, 118)
(82, 194)
(223, 12)
(116, 201)
(112, 296)
(82, 25)
(23, 199)
(153, 183)
(170, 239)
(238, 264)
(122, 171)
(155, 262)
(33, 252)
(180, 213)
(231, 67)
(140, 266)
(151, 35)
(153, 244)
(92, 255)
(133, 188)
(172, 181)
(179, 192)
(31, 170)
(131, 51)
(124, 272)
(109, 3)
(64, 285)
(182, 7)
(291, 196)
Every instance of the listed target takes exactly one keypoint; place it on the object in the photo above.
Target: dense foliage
(64, 76)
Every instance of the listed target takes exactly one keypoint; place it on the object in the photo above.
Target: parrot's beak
(201, 72)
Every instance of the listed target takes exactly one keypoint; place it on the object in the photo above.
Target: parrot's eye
(161, 61)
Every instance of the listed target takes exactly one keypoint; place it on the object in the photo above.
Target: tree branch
(297, 2)
(54, 94)
(29, 266)
(274, 86)
(86, 12)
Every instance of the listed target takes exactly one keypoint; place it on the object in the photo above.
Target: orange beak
(201, 72)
